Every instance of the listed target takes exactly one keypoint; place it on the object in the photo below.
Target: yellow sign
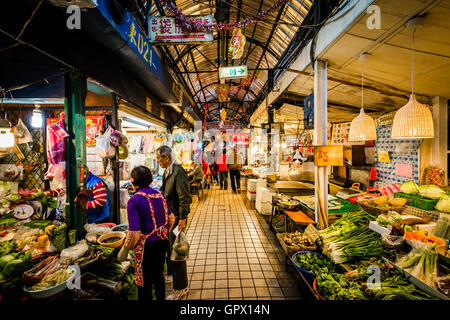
(148, 104)
(329, 156)
(383, 156)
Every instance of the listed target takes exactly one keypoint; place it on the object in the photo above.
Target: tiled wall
(400, 151)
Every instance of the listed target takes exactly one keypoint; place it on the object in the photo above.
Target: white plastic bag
(73, 253)
(97, 229)
(22, 133)
(180, 248)
(103, 146)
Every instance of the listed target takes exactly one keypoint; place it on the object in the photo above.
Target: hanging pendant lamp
(363, 126)
(414, 120)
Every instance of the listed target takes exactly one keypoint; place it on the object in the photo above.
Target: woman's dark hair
(142, 176)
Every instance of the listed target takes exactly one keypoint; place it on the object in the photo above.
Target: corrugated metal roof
(266, 43)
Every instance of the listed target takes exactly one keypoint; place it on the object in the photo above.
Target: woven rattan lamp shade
(362, 128)
(413, 120)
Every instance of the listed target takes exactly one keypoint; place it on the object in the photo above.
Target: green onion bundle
(350, 238)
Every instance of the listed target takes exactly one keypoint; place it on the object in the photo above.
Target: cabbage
(444, 204)
(431, 191)
(409, 187)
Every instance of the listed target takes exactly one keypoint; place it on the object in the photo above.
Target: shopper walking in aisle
(223, 170)
(206, 170)
(175, 187)
(235, 171)
(214, 169)
(149, 221)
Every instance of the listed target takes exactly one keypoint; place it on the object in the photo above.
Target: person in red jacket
(223, 170)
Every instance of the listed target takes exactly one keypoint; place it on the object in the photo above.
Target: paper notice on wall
(404, 170)
(383, 156)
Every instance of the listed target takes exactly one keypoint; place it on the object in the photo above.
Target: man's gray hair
(165, 151)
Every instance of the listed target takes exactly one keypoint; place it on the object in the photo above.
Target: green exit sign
(233, 72)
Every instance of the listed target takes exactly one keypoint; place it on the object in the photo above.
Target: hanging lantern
(237, 44)
(223, 92)
(414, 120)
(363, 126)
(223, 114)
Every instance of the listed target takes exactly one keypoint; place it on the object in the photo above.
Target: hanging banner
(237, 45)
(166, 30)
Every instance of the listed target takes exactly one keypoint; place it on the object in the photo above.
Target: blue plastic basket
(307, 274)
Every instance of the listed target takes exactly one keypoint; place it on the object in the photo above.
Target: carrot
(436, 239)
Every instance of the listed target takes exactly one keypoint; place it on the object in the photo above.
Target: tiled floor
(233, 254)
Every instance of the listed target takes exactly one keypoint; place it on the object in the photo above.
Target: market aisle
(233, 253)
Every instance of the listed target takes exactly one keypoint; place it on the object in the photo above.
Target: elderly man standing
(176, 190)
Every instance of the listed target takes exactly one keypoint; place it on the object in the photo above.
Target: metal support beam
(320, 138)
(75, 123)
(115, 213)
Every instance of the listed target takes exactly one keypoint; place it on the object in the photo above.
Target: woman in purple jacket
(149, 221)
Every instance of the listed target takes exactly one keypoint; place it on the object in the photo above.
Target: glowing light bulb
(36, 118)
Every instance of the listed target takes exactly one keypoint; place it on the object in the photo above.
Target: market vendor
(97, 205)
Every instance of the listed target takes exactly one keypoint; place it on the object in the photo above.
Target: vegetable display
(422, 263)
(387, 219)
(423, 236)
(409, 187)
(334, 286)
(297, 239)
(431, 191)
(444, 204)
(52, 280)
(314, 263)
(350, 238)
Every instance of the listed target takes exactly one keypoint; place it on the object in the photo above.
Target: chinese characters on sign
(167, 30)
(140, 44)
(328, 156)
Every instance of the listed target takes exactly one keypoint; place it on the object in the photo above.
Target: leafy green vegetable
(5, 260)
(387, 219)
(14, 198)
(313, 263)
(444, 204)
(6, 247)
(349, 238)
(38, 224)
(409, 187)
(431, 191)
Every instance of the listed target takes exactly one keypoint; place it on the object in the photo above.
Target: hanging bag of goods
(22, 133)
(103, 146)
(118, 139)
(434, 175)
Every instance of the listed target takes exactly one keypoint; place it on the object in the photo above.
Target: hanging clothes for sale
(135, 144)
(56, 134)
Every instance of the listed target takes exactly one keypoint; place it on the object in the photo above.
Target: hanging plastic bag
(118, 139)
(103, 146)
(22, 133)
(180, 248)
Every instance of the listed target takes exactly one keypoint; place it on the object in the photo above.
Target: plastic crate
(417, 201)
